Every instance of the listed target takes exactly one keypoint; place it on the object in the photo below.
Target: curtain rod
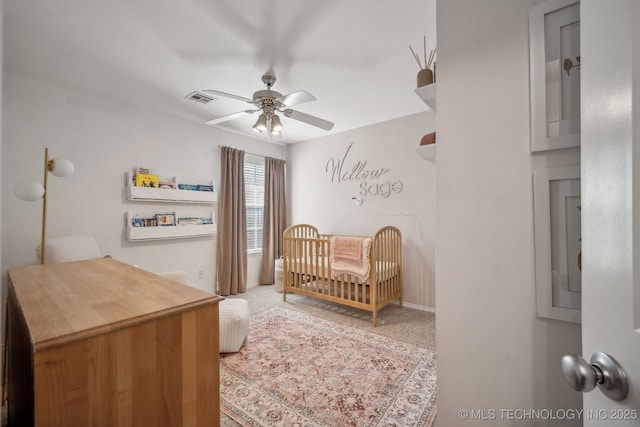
(252, 154)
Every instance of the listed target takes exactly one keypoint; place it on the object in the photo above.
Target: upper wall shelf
(428, 95)
(168, 195)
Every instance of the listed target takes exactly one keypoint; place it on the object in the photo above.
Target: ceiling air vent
(200, 97)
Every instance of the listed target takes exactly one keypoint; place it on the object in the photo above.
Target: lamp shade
(61, 167)
(261, 124)
(29, 191)
(276, 124)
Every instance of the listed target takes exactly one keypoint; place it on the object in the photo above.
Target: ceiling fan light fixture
(261, 123)
(268, 102)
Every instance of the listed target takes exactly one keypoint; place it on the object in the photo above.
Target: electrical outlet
(200, 274)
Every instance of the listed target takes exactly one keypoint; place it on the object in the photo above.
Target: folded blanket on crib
(350, 255)
(347, 248)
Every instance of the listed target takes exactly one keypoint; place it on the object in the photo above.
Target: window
(254, 197)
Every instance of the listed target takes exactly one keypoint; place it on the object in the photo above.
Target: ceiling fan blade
(229, 95)
(230, 117)
(309, 119)
(295, 98)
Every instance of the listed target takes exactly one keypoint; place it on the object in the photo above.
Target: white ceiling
(352, 55)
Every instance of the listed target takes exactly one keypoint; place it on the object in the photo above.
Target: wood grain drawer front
(162, 372)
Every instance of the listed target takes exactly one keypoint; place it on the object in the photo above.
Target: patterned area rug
(298, 370)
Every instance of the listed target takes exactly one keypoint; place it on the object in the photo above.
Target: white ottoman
(234, 324)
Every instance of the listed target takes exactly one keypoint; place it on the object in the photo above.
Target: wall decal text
(343, 170)
(358, 171)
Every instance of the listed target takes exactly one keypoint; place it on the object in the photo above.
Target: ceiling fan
(268, 102)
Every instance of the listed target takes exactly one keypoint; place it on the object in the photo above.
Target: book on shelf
(190, 187)
(147, 180)
(203, 187)
(194, 221)
(188, 221)
(167, 184)
(196, 187)
(166, 219)
(144, 222)
(142, 170)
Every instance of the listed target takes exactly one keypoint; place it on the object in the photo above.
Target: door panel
(608, 205)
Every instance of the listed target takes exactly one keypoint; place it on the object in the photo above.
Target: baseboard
(249, 286)
(417, 307)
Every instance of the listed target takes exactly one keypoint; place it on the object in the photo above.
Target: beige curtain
(274, 217)
(232, 224)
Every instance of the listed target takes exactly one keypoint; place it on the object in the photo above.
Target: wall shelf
(427, 152)
(178, 231)
(428, 95)
(168, 195)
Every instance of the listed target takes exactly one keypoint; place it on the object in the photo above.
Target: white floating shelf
(427, 152)
(168, 195)
(178, 231)
(428, 95)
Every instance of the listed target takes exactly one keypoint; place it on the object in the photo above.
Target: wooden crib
(308, 270)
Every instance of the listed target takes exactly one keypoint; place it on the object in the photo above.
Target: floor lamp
(31, 191)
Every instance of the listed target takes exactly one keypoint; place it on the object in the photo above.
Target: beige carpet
(412, 326)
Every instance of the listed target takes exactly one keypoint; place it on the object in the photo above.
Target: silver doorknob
(603, 371)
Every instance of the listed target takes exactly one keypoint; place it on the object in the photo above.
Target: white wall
(104, 138)
(325, 203)
(493, 352)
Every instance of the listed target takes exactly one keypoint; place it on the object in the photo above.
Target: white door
(610, 167)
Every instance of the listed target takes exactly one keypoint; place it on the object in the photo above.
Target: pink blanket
(350, 255)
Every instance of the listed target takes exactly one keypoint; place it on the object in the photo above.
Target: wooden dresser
(103, 343)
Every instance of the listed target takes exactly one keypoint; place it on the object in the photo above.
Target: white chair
(70, 248)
